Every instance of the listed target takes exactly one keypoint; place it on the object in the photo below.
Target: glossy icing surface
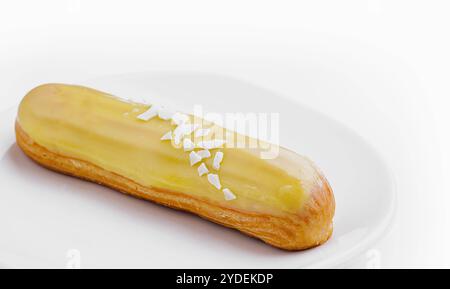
(86, 124)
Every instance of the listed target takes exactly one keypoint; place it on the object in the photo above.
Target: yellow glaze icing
(93, 126)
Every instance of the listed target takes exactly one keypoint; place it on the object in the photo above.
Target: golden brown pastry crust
(294, 232)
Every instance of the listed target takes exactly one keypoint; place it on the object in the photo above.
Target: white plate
(43, 215)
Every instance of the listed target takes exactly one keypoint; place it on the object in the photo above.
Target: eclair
(177, 160)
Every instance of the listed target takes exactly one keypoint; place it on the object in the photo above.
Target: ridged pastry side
(310, 228)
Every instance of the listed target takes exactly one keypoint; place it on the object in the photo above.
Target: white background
(381, 67)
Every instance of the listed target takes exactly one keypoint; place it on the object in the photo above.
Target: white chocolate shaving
(149, 114)
(202, 170)
(177, 139)
(212, 144)
(215, 181)
(185, 129)
(229, 196)
(218, 158)
(167, 136)
(204, 154)
(202, 132)
(165, 113)
(194, 158)
(181, 131)
(191, 128)
(179, 118)
(188, 145)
